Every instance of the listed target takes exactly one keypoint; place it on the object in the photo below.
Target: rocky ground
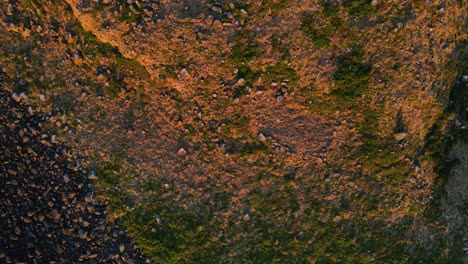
(282, 131)
(48, 210)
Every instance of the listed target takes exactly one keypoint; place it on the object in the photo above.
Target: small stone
(399, 136)
(92, 256)
(12, 172)
(246, 217)
(55, 214)
(102, 78)
(42, 97)
(217, 9)
(92, 175)
(41, 217)
(16, 97)
(241, 82)
(14, 237)
(209, 20)
(26, 33)
(261, 137)
(217, 24)
(121, 248)
(184, 73)
(181, 152)
(78, 61)
(17, 231)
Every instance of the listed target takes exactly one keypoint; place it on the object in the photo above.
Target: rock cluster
(48, 212)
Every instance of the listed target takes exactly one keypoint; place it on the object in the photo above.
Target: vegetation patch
(279, 72)
(359, 8)
(318, 34)
(249, 75)
(279, 44)
(274, 6)
(245, 48)
(351, 77)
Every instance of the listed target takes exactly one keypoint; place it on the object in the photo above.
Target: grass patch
(279, 72)
(273, 6)
(115, 87)
(351, 77)
(319, 29)
(359, 8)
(249, 75)
(280, 45)
(322, 105)
(238, 123)
(169, 72)
(318, 34)
(245, 48)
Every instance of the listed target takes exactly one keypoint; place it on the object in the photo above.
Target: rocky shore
(48, 210)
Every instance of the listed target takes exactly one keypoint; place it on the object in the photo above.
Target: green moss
(169, 72)
(359, 8)
(322, 105)
(313, 28)
(115, 87)
(279, 72)
(249, 75)
(280, 45)
(238, 122)
(274, 6)
(245, 48)
(319, 29)
(351, 77)
(330, 8)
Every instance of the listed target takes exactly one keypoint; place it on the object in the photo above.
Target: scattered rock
(261, 137)
(184, 74)
(246, 217)
(16, 97)
(217, 24)
(43, 200)
(17, 231)
(217, 9)
(181, 152)
(92, 175)
(241, 82)
(399, 136)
